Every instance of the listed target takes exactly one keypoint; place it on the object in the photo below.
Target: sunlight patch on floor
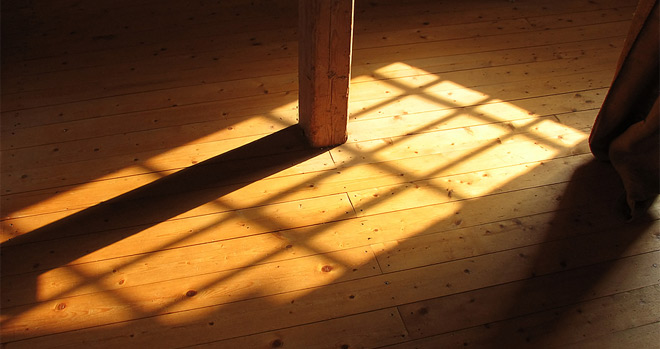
(466, 145)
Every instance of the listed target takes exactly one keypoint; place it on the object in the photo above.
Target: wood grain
(156, 191)
(325, 50)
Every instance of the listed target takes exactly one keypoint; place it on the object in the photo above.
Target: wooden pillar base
(326, 38)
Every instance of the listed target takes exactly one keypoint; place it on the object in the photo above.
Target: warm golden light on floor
(469, 120)
(156, 191)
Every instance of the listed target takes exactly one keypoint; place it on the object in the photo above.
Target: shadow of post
(154, 203)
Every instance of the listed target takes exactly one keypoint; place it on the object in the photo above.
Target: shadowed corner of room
(576, 261)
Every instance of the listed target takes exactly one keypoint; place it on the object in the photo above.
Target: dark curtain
(626, 131)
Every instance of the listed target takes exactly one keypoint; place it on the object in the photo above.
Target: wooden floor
(156, 191)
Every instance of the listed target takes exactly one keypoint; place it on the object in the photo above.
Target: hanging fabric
(626, 130)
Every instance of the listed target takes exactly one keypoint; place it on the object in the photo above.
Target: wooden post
(326, 40)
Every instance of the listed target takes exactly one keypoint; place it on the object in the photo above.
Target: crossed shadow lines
(124, 216)
(206, 182)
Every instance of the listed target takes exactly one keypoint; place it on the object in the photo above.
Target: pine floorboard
(156, 191)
